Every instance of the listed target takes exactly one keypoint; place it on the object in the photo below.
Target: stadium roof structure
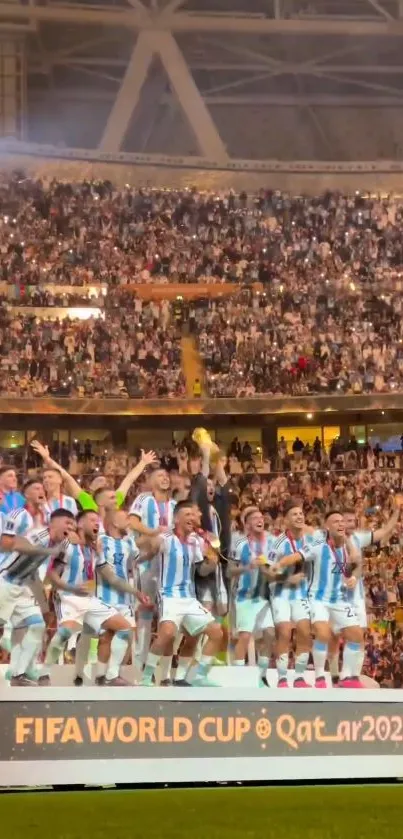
(221, 79)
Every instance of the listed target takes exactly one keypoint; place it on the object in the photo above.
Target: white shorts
(254, 616)
(17, 604)
(361, 612)
(127, 612)
(339, 615)
(148, 578)
(290, 611)
(73, 609)
(186, 613)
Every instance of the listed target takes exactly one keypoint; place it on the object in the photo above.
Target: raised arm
(387, 529)
(146, 459)
(73, 487)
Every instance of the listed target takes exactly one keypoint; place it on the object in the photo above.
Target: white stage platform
(134, 735)
(225, 677)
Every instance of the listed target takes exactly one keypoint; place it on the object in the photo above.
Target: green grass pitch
(367, 812)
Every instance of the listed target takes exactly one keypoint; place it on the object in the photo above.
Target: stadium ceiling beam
(184, 22)
(162, 44)
(305, 100)
(274, 100)
(218, 66)
(128, 95)
(380, 9)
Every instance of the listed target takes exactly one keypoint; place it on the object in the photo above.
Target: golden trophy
(202, 438)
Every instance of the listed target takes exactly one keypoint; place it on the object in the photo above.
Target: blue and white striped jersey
(153, 513)
(286, 545)
(252, 584)
(78, 564)
(65, 502)
(120, 554)
(18, 568)
(18, 522)
(177, 565)
(327, 580)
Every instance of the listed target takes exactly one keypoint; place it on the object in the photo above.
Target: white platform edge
(139, 694)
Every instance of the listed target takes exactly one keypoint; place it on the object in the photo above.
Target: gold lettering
(319, 727)
(304, 732)
(163, 737)
(101, 729)
(285, 728)
(225, 733)
(71, 731)
(54, 726)
(203, 734)
(242, 727)
(344, 731)
(39, 735)
(23, 729)
(126, 729)
(147, 726)
(182, 729)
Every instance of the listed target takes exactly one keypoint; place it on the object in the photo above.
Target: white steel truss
(163, 44)
(139, 18)
(201, 70)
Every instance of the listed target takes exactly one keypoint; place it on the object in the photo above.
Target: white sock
(319, 653)
(72, 642)
(15, 657)
(165, 667)
(29, 648)
(282, 665)
(143, 640)
(238, 662)
(263, 663)
(351, 660)
(301, 663)
(56, 647)
(360, 662)
(182, 668)
(151, 664)
(203, 667)
(119, 644)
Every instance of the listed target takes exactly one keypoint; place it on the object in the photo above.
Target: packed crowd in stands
(294, 340)
(81, 233)
(321, 278)
(128, 354)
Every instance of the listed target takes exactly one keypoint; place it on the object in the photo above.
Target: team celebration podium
(237, 732)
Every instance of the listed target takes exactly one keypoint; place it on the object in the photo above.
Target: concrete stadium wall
(167, 176)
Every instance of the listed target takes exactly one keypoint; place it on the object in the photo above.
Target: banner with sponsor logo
(145, 736)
